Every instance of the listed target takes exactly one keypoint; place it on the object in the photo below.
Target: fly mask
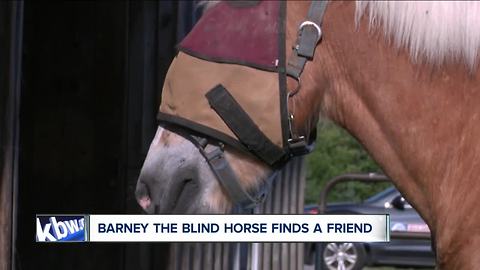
(227, 85)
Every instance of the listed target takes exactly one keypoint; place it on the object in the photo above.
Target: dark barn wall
(71, 126)
(11, 20)
(92, 72)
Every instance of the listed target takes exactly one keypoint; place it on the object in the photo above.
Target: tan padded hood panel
(257, 91)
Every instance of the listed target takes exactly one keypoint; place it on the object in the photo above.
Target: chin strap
(215, 157)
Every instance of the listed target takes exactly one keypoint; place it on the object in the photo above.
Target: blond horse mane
(433, 32)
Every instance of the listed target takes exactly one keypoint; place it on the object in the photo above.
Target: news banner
(212, 228)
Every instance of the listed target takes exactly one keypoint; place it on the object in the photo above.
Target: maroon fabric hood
(243, 32)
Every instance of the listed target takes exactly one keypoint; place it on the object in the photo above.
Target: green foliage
(337, 152)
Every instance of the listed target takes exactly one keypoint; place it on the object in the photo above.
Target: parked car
(409, 245)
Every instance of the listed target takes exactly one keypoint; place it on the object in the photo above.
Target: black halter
(249, 134)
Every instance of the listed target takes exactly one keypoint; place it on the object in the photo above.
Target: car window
(407, 205)
(386, 195)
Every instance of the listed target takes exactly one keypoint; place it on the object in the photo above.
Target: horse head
(242, 108)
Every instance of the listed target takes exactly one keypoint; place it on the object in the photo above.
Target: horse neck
(419, 124)
(460, 254)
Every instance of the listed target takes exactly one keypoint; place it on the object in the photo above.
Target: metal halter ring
(317, 27)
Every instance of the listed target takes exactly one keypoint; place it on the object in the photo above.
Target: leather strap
(243, 126)
(215, 158)
(309, 34)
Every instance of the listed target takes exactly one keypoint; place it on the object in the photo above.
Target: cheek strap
(215, 157)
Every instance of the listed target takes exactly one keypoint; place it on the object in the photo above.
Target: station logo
(61, 228)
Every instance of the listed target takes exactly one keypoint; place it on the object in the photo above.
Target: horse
(402, 78)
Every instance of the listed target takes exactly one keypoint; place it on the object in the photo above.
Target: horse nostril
(142, 195)
(144, 202)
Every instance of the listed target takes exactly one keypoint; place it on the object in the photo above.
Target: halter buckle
(298, 146)
(316, 26)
